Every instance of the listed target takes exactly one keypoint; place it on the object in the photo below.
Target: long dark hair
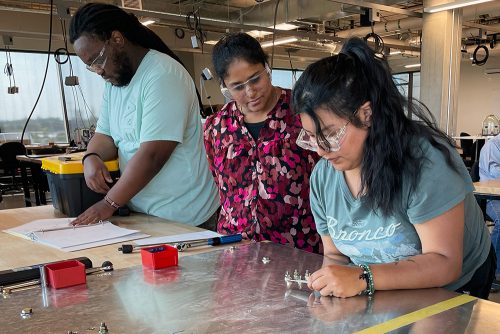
(100, 20)
(343, 83)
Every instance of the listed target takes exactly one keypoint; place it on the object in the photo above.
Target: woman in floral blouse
(261, 173)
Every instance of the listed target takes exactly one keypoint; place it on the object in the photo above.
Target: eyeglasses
(331, 142)
(228, 92)
(99, 61)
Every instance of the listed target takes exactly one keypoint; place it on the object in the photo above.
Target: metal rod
(63, 101)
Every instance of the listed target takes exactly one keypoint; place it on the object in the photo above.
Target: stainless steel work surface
(231, 291)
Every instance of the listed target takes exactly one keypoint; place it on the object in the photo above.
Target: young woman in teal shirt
(397, 208)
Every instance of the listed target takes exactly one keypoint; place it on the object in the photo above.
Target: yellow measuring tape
(412, 317)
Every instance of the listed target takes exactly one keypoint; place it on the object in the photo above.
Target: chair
(468, 150)
(474, 171)
(10, 165)
(474, 175)
(478, 145)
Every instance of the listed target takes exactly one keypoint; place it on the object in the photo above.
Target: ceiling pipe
(473, 32)
(411, 23)
(295, 10)
(382, 28)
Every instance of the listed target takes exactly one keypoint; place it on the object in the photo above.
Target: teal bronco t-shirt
(368, 237)
(160, 103)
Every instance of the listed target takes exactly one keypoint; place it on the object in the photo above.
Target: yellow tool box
(68, 189)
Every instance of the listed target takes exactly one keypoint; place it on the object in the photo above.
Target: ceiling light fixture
(285, 26)
(412, 65)
(282, 26)
(259, 33)
(279, 41)
(453, 5)
(147, 22)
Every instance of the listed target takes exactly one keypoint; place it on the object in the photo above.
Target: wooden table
(19, 252)
(490, 189)
(223, 291)
(47, 148)
(478, 137)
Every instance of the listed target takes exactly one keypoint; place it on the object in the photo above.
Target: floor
(17, 201)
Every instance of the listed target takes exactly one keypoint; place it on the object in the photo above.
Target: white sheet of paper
(25, 230)
(134, 236)
(72, 239)
(169, 239)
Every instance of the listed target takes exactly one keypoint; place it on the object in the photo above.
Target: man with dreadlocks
(149, 119)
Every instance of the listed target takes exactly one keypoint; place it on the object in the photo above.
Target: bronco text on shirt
(368, 237)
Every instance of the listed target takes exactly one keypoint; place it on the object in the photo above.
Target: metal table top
(230, 291)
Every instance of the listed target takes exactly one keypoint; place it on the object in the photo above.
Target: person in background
(489, 169)
(391, 197)
(261, 173)
(149, 120)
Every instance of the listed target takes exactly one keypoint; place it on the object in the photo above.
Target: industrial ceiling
(316, 26)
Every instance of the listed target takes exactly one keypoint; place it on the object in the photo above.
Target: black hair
(342, 84)
(236, 46)
(100, 20)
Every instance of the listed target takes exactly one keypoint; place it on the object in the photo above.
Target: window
(46, 124)
(285, 78)
(401, 80)
(83, 102)
(408, 84)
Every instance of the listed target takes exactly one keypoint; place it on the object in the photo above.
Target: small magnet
(266, 260)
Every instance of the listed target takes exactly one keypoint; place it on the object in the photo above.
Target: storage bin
(67, 186)
(160, 256)
(64, 274)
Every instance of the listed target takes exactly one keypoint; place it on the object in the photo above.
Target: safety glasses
(331, 142)
(99, 62)
(230, 92)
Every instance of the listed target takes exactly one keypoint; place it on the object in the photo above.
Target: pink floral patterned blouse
(264, 183)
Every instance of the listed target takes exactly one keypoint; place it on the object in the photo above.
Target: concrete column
(440, 69)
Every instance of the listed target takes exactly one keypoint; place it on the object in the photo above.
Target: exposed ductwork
(412, 23)
(320, 24)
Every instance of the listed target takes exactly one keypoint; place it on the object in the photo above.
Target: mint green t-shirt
(160, 103)
(368, 237)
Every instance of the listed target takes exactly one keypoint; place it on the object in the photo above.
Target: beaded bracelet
(368, 277)
(111, 203)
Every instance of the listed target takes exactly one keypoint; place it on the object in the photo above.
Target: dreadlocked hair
(100, 20)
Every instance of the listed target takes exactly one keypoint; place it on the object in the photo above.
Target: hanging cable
(208, 97)
(87, 107)
(294, 71)
(377, 41)
(9, 71)
(193, 23)
(46, 70)
(274, 33)
(476, 60)
(81, 110)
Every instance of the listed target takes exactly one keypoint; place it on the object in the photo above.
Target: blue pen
(183, 245)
